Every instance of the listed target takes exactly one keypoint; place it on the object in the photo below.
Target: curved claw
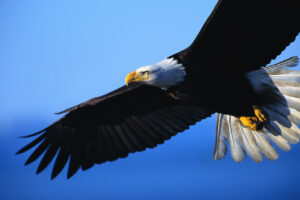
(260, 114)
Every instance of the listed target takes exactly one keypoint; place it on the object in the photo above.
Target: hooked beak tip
(130, 77)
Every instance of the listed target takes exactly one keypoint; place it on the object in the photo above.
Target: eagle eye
(145, 73)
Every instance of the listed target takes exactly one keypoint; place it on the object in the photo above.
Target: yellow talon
(260, 114)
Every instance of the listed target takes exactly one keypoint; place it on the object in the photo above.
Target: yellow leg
(255, 122)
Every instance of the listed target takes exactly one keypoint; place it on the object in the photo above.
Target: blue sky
(55, 54)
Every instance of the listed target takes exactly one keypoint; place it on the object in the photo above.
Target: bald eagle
(223, 71)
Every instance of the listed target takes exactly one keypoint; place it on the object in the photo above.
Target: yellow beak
(133, 77)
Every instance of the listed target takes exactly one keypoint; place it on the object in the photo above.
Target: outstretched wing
(242, 35)
(106, 128)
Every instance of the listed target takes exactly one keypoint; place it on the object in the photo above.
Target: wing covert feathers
(283, 108)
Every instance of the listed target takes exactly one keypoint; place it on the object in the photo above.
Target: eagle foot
(255, 122)
(251, 122)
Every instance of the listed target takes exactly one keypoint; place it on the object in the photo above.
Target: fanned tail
(279, 91)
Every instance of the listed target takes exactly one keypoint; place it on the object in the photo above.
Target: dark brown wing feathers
(243, 35)
(103, 129)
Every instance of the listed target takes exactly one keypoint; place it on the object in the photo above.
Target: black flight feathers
(130, 119)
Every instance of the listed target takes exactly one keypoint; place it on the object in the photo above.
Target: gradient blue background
(55, 54)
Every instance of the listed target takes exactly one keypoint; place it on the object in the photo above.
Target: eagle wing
(242, 35)
(109, 127)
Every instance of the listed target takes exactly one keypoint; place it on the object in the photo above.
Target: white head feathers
(163, 74)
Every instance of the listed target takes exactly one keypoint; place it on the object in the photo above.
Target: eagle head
(163, 74)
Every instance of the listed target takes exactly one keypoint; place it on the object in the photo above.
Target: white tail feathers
(280, 88)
